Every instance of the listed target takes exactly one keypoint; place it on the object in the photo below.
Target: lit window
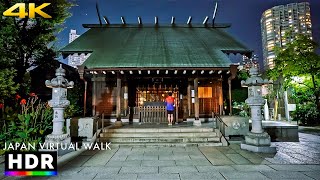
(271, 56)
(269, 20)
(205, 92)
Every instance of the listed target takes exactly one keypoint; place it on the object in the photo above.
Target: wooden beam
(139, 20)
(205, 21)
(173, 20)
(189, 20)
(214, 14)
(156, 22)
(123, 21)
(106, 20)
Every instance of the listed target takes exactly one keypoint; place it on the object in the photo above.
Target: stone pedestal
(260, 149)
(258, 139)
(57, 140)
(197, 122)
(86, 127)
(118, 123)
(258, 142)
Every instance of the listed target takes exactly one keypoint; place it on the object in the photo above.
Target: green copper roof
(159, 47)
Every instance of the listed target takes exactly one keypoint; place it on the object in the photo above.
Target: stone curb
(69, 156)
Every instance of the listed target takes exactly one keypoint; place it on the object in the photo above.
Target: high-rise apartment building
(275, 22)
(73, 35)
(76, 59)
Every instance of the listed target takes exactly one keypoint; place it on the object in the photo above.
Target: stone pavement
(294, 160)
(315, 130)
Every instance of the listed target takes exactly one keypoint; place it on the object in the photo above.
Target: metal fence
(153, 114)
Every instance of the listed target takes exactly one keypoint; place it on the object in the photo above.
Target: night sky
(244, 15)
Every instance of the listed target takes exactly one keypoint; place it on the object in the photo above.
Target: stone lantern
(58, 102)
(257, 140)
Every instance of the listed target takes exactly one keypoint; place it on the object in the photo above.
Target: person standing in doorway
(170, 108)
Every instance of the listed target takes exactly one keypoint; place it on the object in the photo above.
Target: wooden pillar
(177, 107)
(94, 96)
(197, 121)
(125, 97)
(85, 99)
(230, 98)
(220, 97)
(81, 74)
(118, 105)
(189, 99)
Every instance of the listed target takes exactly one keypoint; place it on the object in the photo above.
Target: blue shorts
(170, 112)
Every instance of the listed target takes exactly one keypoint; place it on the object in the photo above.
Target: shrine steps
(164, 136)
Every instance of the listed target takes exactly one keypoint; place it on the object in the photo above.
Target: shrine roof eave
(160, 48)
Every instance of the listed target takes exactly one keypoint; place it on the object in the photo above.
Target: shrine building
(132, 66)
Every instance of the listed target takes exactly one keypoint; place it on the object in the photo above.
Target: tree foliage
(25, 42)
(298, 65)
(7, 86)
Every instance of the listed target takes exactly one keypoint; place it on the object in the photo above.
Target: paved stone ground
(294, 160)
(310, 130)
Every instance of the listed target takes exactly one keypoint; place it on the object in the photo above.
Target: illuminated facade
(75, 59)
(275, 22)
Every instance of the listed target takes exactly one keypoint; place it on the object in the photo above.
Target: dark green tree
(298, 60)
(26, 42)
(7, 86)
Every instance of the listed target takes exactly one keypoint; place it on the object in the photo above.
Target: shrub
(241, 109)
(72, 110)
(31, 125)
(307, 114)
(75, 107)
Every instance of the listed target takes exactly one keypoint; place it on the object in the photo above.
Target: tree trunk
(317, 101)
(19, 78)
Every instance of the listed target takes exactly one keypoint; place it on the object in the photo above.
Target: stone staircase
(167, 136)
